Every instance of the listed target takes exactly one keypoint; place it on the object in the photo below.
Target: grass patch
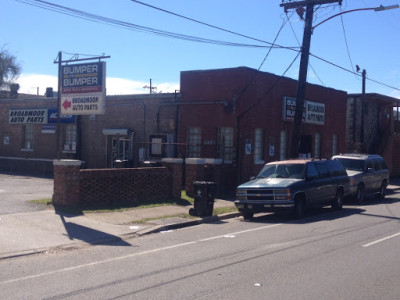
(42, 201)
(185, 200)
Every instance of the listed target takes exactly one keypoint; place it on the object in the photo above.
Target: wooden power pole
(305, 53)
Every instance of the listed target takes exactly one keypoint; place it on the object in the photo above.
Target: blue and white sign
(83, 88)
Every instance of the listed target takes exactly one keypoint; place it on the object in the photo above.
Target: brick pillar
(66, 182)
(194, 172)
(215, 173)
(174, 166)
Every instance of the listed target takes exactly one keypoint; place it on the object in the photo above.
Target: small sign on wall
(248, 149)
(6, 140)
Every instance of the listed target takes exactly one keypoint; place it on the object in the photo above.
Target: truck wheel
(299, 207)
(338, 201)
(247, 215)
(382, 190)
(360, 194)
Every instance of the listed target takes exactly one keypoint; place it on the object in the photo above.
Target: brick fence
(74, 187)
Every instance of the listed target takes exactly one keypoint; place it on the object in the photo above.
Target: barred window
(193, 142)
(225, 149)
(27, 137)
(317, 148)
(70, 138)
(335, 145)
(259, 145)
(283, 145)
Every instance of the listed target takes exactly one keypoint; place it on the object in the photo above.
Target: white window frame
(283, 145)
(317, 146)
(27, 137)
(225, 148)
(70, 138)
(193, 142)
(259, 142)
(335, 143)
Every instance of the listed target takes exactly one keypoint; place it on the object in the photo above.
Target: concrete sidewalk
(49, 230)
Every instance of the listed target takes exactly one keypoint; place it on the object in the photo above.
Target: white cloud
(37, 84)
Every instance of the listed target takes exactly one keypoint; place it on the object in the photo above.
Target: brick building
(378, 131)
(245, 118)
(232, 120)
(134, 130)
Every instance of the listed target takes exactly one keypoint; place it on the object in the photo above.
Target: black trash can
(204, 194)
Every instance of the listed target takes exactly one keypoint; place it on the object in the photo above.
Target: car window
(383, 164)
(335, 168)
(369, 164)
(312, 172)
(352, 164)
(377, 166)
(267, 171)
(322, 169)
(295, 171)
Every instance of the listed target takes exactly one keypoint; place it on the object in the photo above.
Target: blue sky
(367, 38)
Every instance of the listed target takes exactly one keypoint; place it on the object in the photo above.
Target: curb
(209, 219)
(149, 230)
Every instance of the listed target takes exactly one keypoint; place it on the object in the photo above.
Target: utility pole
(151, 87)
(362, 130)
(305, 53)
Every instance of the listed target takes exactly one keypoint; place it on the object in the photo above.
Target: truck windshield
(295, 171)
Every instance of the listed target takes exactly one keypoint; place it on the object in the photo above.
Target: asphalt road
(17, 191)
(348, 254)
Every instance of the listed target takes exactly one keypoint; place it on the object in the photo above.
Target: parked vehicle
(368, 174)
(293, 184)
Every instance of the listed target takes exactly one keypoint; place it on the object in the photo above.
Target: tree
(9, 70)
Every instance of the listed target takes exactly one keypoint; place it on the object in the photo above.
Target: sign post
(81, 89)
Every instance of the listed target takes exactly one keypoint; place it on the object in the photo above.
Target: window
(317, 149)
(312, 172)
(334, 144)
(193, 142)
(161, 145)
(27, 137)
(259, 146)
(121, 148)
(70, 138)
(322, 169)
(225, 149)
(283, 145)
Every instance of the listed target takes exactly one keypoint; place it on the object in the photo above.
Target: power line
(298, 42)
(130, 26)
(207, 24)
(262, 63)
(100, 19)
(347, 45)
(352, 72)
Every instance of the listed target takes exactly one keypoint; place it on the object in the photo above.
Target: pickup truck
(293, 184)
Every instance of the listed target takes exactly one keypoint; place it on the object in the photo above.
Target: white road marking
(381, 240)
(129, 256)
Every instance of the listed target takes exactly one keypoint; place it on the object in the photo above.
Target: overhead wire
(298, 42)
(104, 20)
(347, 45)
(206, 24)
(100, 19)
(352, 72)
(263, 61)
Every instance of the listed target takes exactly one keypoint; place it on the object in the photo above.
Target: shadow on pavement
(88, 235)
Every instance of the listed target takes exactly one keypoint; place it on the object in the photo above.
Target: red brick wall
(114, 187)
(257, 102)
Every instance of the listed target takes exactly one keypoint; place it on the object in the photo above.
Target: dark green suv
(293, 184)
